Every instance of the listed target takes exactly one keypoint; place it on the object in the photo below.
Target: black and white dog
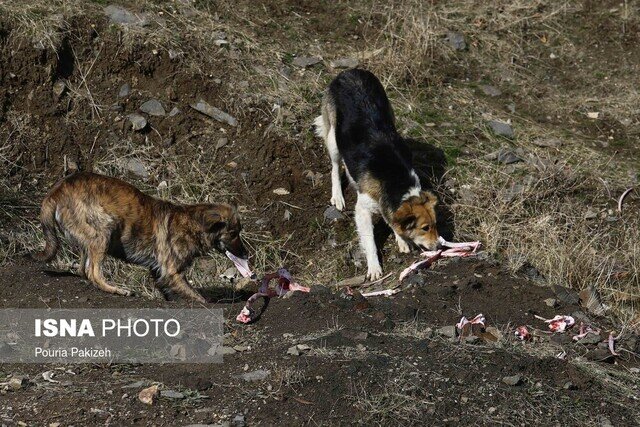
(358, 128)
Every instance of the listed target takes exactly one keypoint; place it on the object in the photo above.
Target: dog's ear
(212, 221)
(427, 197)
(405, 217)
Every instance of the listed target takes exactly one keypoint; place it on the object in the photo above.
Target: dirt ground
(71, 76)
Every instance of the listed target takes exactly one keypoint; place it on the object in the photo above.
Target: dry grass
(434, 90)
(400, 402)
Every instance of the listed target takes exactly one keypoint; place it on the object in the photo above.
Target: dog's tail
(320, 130)
(48, 221)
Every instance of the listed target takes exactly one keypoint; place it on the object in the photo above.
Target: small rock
(590, 214)
(306, 61)
(138, 122)
(551, 302)
(137, 384)
(230, 273)
(257, 375)
(512, 380)
(600, 355)
(58, 88)
(446, 331)
(590, 339)
(490, 90)
(548, 142)
(245, 284)
(297, 350)
(501, 128)
(148, 395)
(153, 107)
(593, 115)
(221, 143)
(456, 40)
(136, 167)
(124, 91)
(287, 214)
(226, 350)
(569, 386)
(281, 191)
(120, 15)
(172, 394)
(344, 63)
(214, 113)
(333, 214)
(566, 295)
(240, 348)
(238, 421)
(174, 111)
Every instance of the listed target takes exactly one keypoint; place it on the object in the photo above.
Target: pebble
(306, 61)
(257, 375)
(138, 122)
(172, 394)
(456, 40)
(548, 142)
(590, 338)
(333, 214)
(226, 350)
(512, 380)
(490, 90)
(551, 302)
(298, 349)
(221, 143)
(174, 111)
(136, 167)
(345, 63)
(446, 331)
(59, 87)
(281, 191)
(214, 113)
(124, 91)
(148, 395)
(501, 128)
(153, 107)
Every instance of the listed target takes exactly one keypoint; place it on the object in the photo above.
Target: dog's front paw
(374, 272)
(403, 246)
(338, 201)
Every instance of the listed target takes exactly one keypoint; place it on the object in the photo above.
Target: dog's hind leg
(93, 268)
(364, 223)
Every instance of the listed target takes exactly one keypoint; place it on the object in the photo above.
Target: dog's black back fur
(366, 134)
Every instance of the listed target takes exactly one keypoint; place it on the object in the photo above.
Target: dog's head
(415, 220)
(221, 224)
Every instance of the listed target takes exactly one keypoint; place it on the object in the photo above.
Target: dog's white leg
(403, 246)
(364, 224)
(337, 199)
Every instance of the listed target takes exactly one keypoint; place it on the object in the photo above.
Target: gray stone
(153, 107)
(238, 421)
(551, 302)
(59, 87)
(566, 295)
(548, 142)
(124, 91)
(230, 273)
(446, 331)
(137, 384)
(287, 215)
(221, 143)
(226, 350)
(490, 90)
(120, 15)
(590, 339)
(456, 40)
(333, 214)
(501, 128)
(138, 122)
(345, 63)
(136, 167)
(257, 375)
(171, 394)
(297, 350)
(508, 157)
(174, 111)
(214, 113)
(512, 380)
(590, 214)
(306, 61)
